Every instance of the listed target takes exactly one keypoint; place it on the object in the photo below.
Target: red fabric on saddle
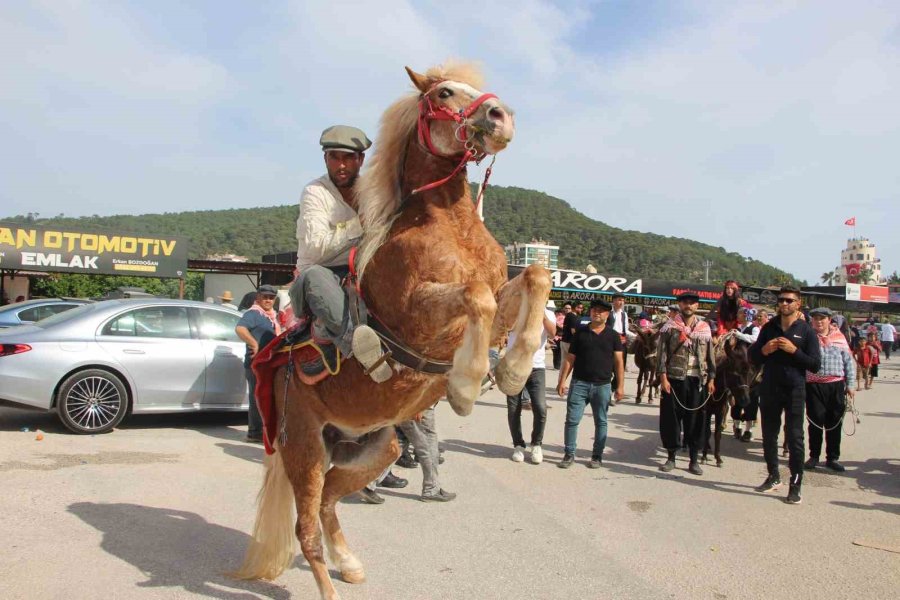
(264, 365)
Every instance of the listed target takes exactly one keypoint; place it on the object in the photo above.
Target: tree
(828, 277)
(865, 275)
(894, 277)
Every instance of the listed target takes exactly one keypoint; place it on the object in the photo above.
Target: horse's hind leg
(354, 466)
(520, 309)
(305, 463)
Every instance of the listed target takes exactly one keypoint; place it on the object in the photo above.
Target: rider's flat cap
(343, 138)
(601, 304)
(689, 296)
(822, 310)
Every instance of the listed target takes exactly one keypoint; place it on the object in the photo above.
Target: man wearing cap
(327, 228)
(826, 391)
(226, 300)
(685, 361)
(256, 328)
(787, 348)
(594, 354)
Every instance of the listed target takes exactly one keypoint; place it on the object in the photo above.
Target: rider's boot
(367, 350)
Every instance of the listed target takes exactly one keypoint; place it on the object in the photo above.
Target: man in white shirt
(327, 228)
(535, 385)
(887, 339)
(618, 322)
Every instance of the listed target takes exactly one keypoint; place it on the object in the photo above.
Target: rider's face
(343, 167)
(687, 308)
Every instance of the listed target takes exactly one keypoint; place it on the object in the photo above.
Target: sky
(759, 127)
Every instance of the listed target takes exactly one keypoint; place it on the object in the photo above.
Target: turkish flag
(851, 222)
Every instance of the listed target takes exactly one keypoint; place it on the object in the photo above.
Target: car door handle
(133, 351)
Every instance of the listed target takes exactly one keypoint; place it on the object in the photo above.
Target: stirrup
(367, 350)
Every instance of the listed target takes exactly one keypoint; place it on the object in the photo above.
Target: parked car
(30, 311)
(97, 363)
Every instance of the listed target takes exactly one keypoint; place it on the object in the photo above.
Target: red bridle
(429, 112)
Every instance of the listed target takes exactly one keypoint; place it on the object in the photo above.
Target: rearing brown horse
(435, 278)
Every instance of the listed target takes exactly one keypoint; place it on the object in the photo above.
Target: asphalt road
(161, 509)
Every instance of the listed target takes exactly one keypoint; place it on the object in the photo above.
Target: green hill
(512, 214)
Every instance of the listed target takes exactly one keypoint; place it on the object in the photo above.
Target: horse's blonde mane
(378, 189)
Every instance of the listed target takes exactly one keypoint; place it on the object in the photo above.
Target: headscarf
(700, 331)
(269, 314)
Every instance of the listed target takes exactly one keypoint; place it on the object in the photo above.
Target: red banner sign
(867, 293)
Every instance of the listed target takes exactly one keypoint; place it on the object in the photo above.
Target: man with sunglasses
(787, 347)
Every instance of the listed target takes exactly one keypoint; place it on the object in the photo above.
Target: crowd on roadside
(810, 361)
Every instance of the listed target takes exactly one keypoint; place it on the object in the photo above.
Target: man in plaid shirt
(826, 390)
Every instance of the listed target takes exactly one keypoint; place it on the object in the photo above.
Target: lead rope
(288, 373)
(690, 409)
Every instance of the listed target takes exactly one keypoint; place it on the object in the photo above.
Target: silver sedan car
(99, 362)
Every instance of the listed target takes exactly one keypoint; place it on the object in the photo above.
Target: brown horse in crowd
(735, 378)
(424, 246)
(645, 350)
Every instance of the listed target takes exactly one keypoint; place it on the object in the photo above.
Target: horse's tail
(271, 549)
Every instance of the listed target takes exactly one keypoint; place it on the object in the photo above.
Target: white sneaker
(518, 454)
(537, 455)
(367, 350)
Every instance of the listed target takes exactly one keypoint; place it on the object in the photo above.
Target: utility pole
(707, 263)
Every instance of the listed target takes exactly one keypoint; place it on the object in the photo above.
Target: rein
(428, 112)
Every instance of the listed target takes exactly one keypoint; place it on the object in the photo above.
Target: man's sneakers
(367, 350)
(537, 455)
(835, 466)
(440, 496)
(811, 464)
(518, 454)
(793, 496)
(596, 462)
(566, 461)
(392, 481)
(370, 496)
(694, 467)
(772, 483)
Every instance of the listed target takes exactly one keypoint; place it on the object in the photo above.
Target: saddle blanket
(313, 360)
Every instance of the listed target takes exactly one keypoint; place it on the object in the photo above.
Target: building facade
(859, 255)
(535, 252)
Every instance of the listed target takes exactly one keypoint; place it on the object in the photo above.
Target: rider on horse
(327, 228)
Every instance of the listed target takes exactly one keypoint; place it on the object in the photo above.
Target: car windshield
(67, 315)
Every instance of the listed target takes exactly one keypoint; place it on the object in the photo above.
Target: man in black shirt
(787, 347)
(594, 352)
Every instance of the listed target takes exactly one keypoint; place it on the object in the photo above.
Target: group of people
(808, 370)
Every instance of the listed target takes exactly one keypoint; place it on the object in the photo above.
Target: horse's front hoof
(509, 382)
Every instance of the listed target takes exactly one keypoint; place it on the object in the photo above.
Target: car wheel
(92, 401)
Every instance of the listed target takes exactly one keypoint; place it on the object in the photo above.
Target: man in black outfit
(595, 354)
(787, 347)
